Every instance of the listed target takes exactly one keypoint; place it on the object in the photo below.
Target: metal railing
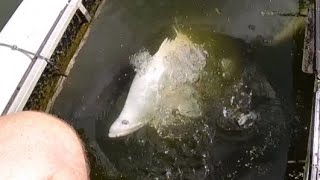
(313, 33)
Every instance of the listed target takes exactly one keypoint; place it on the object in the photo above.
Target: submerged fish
(158, 82)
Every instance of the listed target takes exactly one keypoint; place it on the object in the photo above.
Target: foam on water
(238, 109)
(185, 61)
(140, 60)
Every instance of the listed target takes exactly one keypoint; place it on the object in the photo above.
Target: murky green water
(7, 8)
(265, 55)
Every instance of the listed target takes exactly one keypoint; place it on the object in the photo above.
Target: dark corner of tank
(303, 84)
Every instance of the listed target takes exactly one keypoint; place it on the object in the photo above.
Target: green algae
(64, 52)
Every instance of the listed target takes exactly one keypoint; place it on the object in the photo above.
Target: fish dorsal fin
(169, 45)
(164, 47)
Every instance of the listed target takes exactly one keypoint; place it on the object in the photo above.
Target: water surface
(7, 8)
(97, 86)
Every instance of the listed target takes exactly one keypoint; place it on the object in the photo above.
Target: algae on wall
(60, 59)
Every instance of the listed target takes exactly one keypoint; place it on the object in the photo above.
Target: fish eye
(125, 122)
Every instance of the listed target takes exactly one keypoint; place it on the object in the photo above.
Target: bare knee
(41, 146)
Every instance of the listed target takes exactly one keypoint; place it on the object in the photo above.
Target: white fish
(176, 63)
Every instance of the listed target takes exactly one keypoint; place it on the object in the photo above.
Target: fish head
(133, 116)
(123, 126)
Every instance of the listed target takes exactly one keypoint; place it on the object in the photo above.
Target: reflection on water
(247, 90)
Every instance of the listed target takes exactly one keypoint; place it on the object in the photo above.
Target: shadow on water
(303, 94)
(97, 86)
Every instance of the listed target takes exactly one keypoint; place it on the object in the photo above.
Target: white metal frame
(36, 26)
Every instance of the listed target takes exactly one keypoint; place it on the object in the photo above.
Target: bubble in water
(185, 60)
(140, 60)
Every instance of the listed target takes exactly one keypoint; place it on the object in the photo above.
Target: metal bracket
(85, 12)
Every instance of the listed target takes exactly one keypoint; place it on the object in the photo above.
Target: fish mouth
(114, 133)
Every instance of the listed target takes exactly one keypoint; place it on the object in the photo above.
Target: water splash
(174, 146)
(183, 62)
(140, 60)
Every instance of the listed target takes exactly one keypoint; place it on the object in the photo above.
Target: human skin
(37, 146)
